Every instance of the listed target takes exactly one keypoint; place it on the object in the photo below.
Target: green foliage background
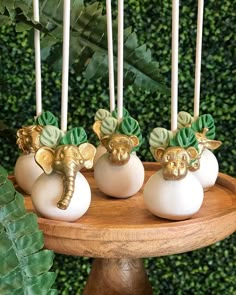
(206, 271)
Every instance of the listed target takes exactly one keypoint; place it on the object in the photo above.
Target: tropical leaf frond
(88, 41)
(24, 267)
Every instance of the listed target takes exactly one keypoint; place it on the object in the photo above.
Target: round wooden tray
(124, 228)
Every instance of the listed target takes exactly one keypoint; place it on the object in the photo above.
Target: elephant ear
(87, 152)
(44, 158)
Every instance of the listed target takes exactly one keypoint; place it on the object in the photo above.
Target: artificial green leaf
(23, 268)
(21, 27)
(26, 224)
(51, 136)
(43, 260)
(159, 137)
(3, 176)
(109, 125)
(11, 282)
(75, 136)
(88, 42)
(9, 263)
(47, 118)
(184, 138)
(13, 209)
(30, 243)
(5, 20)
(7, 193)
(3, 172)
(202, 122)
(40, 284)
(5, 244)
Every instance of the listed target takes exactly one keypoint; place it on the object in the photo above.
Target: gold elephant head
(119, 147)
(67, 160)
(176, 161)
(28, 138)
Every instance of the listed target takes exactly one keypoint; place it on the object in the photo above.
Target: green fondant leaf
(101, 114)
(184, 138)
(47, 118)
(159, 137)
(130, 126)
(125, 113)
(205, 121)
(184, 120)
(51, 136)
(109, 125)
(140, 138)
(75, 136)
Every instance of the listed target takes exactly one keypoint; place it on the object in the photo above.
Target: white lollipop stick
(37, 61)
(174, 71)
(110, 56)
(120, 59)
(198, 58)
(65, 64)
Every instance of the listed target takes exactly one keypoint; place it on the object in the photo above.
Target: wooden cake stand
(118, 232)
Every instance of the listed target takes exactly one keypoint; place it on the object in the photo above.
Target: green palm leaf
(24, 267)
(88, 41)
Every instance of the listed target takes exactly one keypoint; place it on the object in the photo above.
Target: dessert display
(188, 167)
(118, 172)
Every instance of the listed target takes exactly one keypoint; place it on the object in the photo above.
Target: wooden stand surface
(122, 230)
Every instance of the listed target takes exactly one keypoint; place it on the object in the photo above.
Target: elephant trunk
(69, 187)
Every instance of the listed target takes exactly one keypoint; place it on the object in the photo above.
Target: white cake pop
(48, 190)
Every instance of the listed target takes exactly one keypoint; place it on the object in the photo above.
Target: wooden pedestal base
(118, 277)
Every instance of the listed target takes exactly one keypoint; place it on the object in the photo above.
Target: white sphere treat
(26, 172)
(48, 190)
(119, 181)
(173, 199)
(208, 171)
(101, 150)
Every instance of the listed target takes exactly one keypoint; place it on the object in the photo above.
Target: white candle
(120, 59)
(110, 56)
(174, 71)
(198, 58)
(37, 60)
(65, 64)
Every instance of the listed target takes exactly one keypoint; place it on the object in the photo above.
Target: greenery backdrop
(206, 271)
